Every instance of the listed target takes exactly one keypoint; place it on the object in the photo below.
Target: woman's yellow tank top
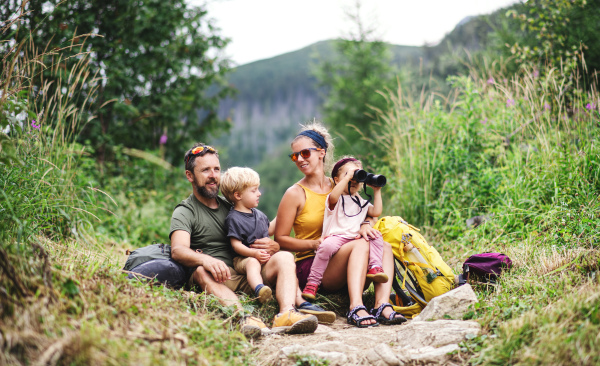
(309, 223)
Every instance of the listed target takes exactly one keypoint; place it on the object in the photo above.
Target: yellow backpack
(421, 274)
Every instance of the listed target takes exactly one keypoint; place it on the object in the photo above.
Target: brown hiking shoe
(293, 322)
(252, 327)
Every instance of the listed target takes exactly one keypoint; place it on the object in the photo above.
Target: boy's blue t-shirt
(247, 227)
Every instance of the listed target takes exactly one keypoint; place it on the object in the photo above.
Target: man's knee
(203, 278)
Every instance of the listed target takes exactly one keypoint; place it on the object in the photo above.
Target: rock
(322, 351)
(475, 221)
(427, 355)
(418, 334)
(453, 304)
(382, 355)
(323, 329)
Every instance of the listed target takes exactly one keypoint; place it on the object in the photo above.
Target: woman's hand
(316, 244)
(367, 232)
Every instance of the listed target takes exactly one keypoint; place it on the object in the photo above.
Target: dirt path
(344, 344)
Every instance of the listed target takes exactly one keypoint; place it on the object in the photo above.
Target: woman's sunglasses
(304, 153)
(198, 150)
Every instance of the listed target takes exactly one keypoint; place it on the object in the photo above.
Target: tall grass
(523, 151)
(64, 299)
(481, 147)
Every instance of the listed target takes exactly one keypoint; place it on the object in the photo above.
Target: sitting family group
(224, 245)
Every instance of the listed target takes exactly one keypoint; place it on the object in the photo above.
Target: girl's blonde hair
(237, 179)
(319, 128)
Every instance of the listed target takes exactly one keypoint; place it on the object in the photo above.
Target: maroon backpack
(484, 267)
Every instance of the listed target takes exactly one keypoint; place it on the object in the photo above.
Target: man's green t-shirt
(206, 227)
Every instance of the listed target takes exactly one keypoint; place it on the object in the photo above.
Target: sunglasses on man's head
(304, 153)
(198, 150)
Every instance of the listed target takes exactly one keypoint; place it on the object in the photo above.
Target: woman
(302, 208)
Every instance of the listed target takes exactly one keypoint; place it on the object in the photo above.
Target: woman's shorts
(303, 270)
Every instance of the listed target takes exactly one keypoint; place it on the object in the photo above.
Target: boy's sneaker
(264, 293)
(376, 274)
(252, 327)
(310, 291)
(293, 322)
(323, 316)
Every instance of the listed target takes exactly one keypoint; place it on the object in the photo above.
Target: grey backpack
(145, 254)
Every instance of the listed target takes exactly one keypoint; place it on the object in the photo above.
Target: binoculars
(375, 180)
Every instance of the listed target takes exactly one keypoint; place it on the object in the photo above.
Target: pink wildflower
(163, 139)
(490, 80)
(484, 121)
(510, 102)
(536, 73)
(590, 106)
(547, 106)
(37, 127)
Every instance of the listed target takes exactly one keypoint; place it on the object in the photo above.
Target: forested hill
(276, 94)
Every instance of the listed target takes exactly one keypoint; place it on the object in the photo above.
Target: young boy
(245, 224)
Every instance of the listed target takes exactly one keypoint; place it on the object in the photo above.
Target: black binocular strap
(357, 201)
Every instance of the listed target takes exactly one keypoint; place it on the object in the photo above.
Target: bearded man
(200, 243)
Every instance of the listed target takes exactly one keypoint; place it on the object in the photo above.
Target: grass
(89, 313)
(521, 148)
(524, 150)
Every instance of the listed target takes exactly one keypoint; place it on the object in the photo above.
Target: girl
(345, 211)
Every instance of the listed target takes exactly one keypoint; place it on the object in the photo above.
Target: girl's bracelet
(366, 222)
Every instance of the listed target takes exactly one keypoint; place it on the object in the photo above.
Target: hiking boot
(293, 322)
(323, 316)
(310, 291)
(263, 293)
(252, 327)
(377, 275)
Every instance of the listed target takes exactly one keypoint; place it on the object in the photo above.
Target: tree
(557, 32)
(352, 81)
(163, 73)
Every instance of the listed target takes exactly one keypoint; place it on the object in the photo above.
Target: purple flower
(510, 102)
(484, 121)
(590, 106)
(536, 73)
(37, 127)
(163, 139)
(490, 80)
(547, 106)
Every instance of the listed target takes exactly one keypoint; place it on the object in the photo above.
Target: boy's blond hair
(237, 179)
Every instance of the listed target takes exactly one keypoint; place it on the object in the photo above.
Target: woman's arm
(292, 201)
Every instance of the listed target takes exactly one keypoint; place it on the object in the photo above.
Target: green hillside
(278, 76)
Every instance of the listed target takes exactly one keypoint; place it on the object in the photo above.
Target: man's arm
(182, 253)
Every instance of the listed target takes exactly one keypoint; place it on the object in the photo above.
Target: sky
(261, 29)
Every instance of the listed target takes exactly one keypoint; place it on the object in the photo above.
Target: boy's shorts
(238, 280)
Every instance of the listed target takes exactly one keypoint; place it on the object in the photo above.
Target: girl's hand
(349, 174)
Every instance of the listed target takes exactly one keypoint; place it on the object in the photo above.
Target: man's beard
(205, 192)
